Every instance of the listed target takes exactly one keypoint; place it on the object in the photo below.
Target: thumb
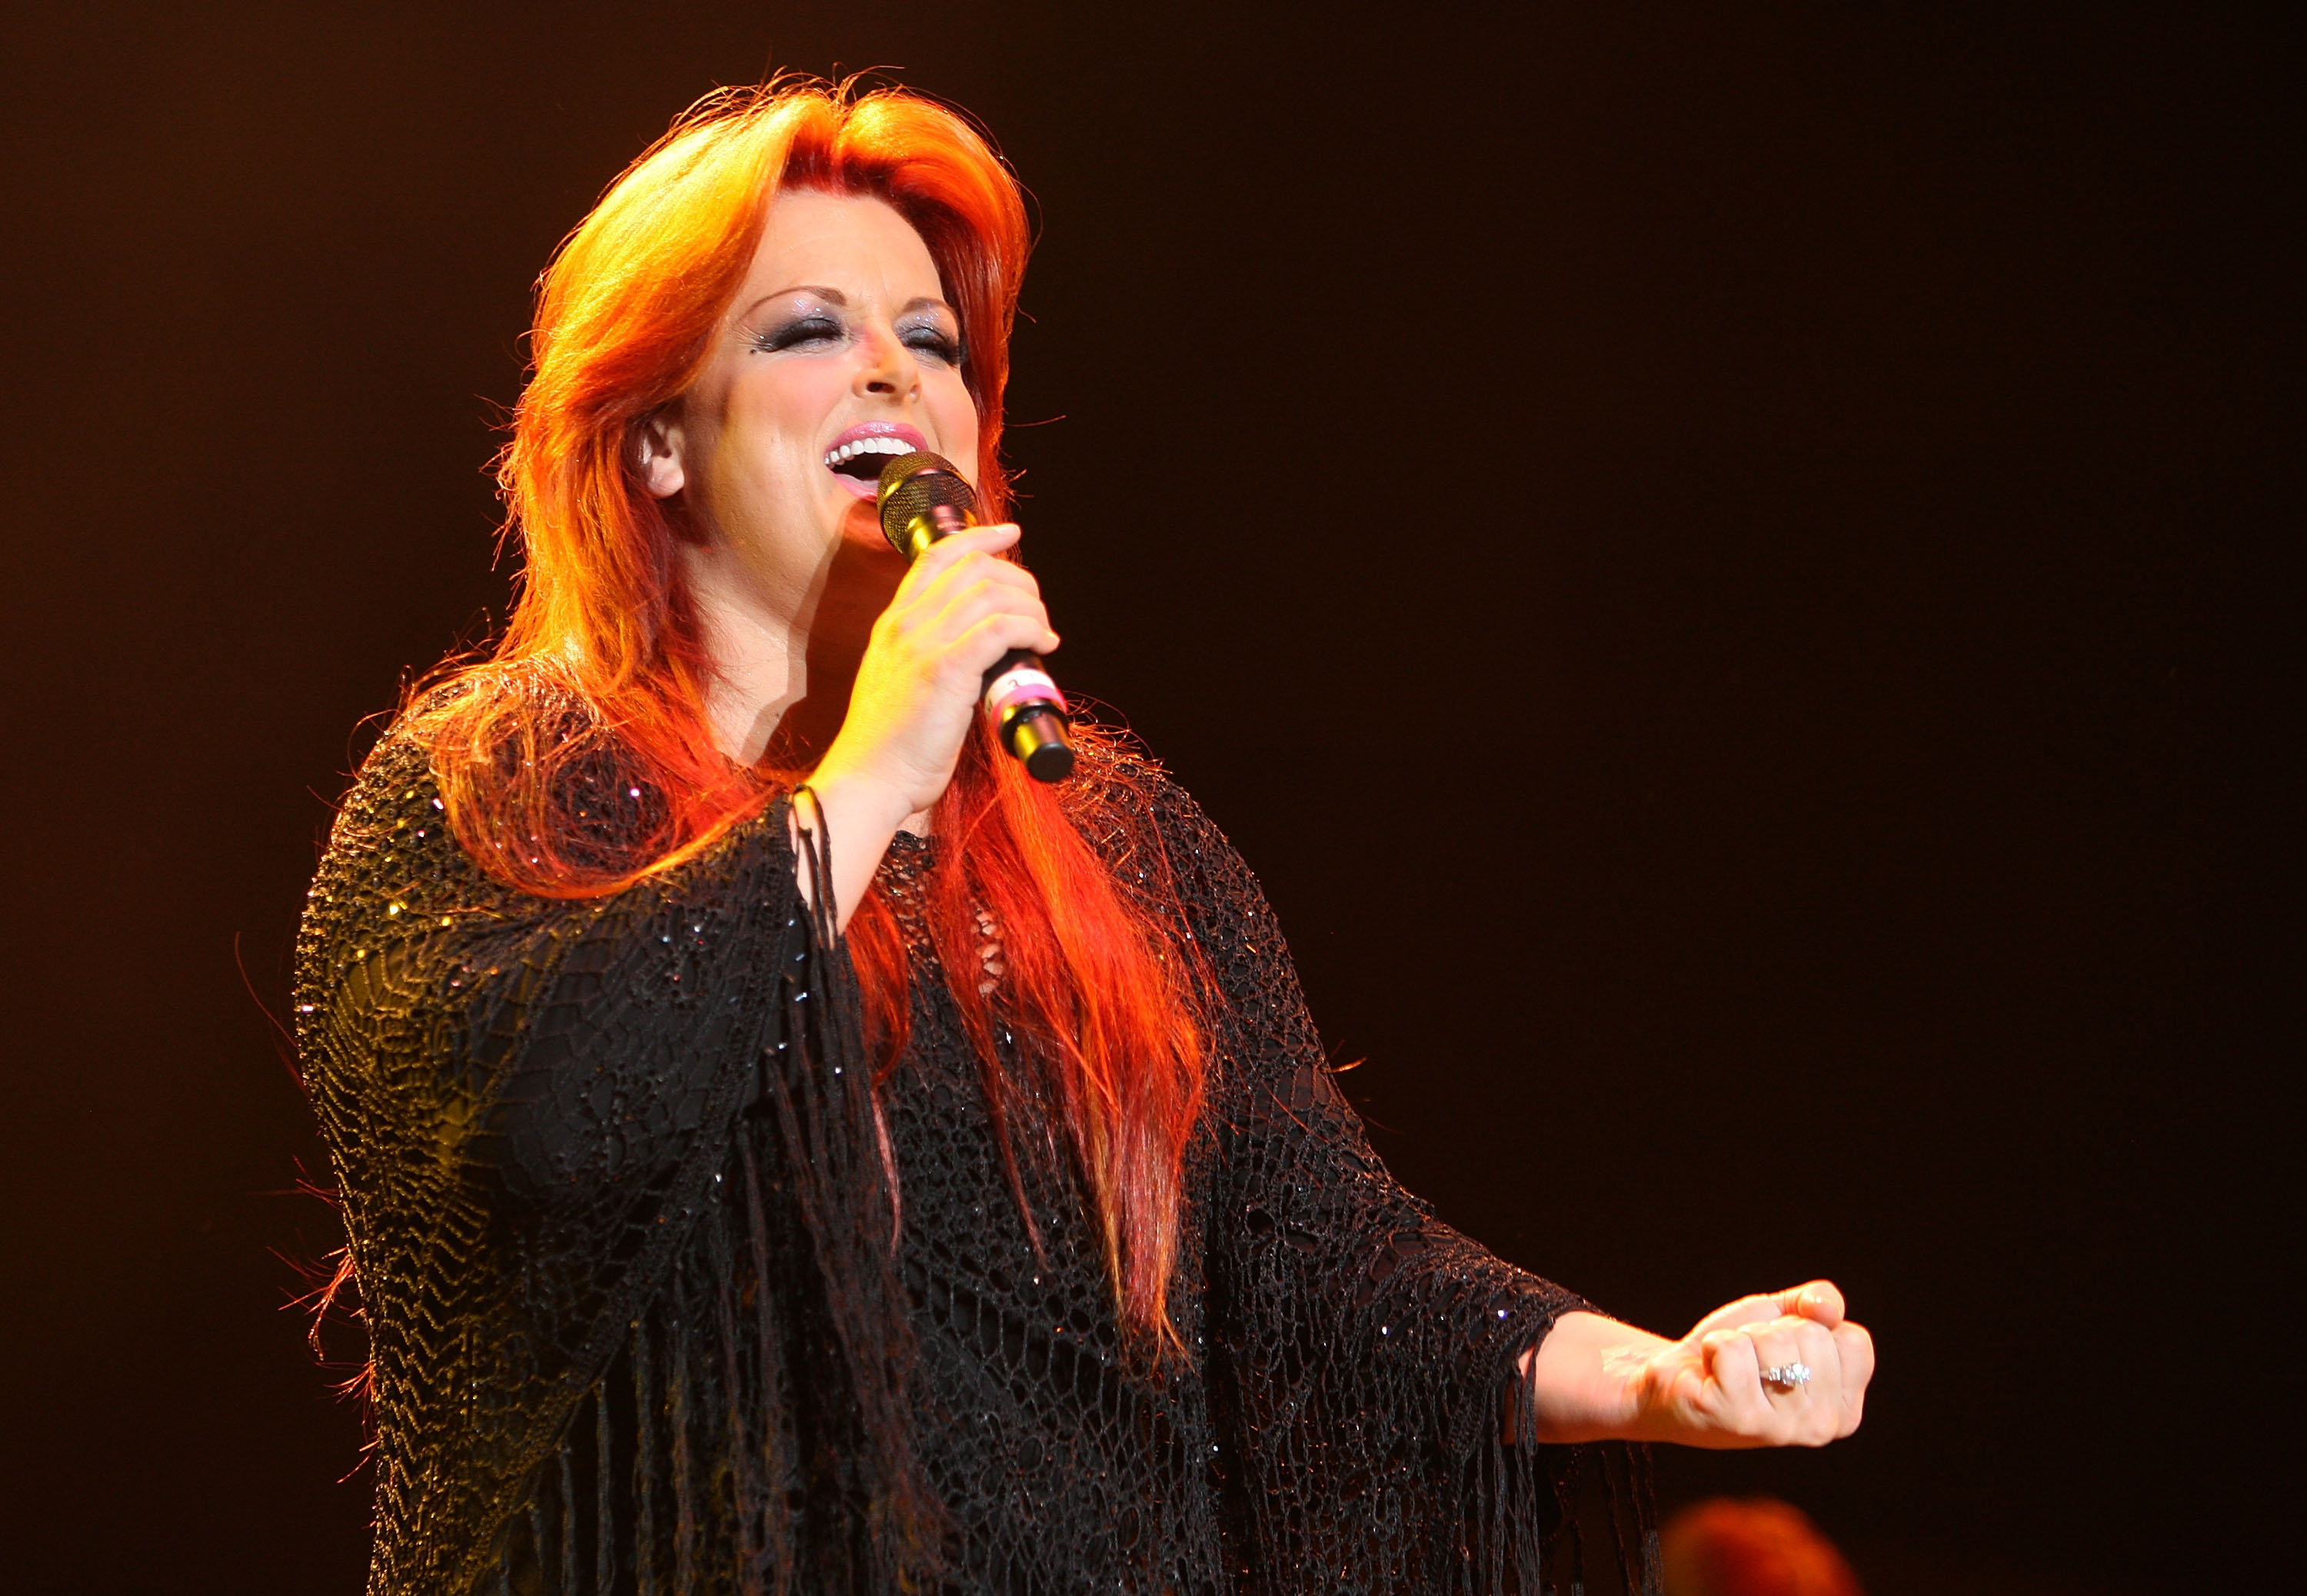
(1817, 1300)
(1760, 1309)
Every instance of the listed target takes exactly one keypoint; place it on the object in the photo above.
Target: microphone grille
(912, 483)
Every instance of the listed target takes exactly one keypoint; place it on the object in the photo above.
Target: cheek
(956, 416)
(777, 416)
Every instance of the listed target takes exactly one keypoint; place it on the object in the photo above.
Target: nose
(886, 368)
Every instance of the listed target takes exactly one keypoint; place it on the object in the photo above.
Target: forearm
(1581, 1379)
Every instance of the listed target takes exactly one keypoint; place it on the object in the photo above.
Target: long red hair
(603, 667)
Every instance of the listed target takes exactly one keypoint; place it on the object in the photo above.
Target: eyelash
(816, 329)
(929, 340)
(806, 329)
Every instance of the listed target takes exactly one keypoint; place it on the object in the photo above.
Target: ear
(659, 450)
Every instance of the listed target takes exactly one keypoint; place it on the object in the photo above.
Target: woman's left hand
(1593, 1378)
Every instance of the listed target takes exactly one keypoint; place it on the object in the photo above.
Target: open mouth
(864, 458)
(858, 455)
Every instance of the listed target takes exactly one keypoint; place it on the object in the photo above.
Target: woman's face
(838, 351)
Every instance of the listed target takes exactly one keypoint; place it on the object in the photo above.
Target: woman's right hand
(960, 608)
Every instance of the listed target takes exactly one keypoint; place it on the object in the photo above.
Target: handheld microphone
(923, 500)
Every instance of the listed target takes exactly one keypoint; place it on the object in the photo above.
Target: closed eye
(935, 342)
(798, 333)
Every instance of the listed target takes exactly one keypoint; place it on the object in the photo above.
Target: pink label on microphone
(1024, 685)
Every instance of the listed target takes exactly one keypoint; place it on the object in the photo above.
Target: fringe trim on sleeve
(756, 1396)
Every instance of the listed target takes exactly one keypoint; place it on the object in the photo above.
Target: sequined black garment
(610, 1175)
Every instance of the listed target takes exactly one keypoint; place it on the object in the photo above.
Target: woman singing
(784, 1147)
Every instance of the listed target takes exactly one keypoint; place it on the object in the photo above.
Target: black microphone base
(1037, 737)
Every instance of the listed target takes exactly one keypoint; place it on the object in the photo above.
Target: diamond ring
(1787, 1377)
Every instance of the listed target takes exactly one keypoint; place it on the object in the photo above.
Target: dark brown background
(1748, 563)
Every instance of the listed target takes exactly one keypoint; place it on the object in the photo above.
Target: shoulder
(1124, 801)
(394, 783)
(394, 805)
(397, 872)
(1165, 847)
(391, 862)
(547, 794)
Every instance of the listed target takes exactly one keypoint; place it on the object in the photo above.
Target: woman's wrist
(1584, 1381)
(856, 813)
(869, 806)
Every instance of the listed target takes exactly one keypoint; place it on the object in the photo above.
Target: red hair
(1760, 1547)
(602, 668)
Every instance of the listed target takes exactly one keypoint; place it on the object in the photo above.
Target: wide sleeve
(1362, 1352)
(521, 1097)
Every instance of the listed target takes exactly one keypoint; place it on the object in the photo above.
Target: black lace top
(609, 1170)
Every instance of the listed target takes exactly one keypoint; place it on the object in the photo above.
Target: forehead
(851, 241)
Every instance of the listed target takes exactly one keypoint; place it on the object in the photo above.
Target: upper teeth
(868, 446)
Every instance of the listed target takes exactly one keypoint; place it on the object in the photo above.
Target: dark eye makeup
(933, 340)
(819, 327)
(812, 327)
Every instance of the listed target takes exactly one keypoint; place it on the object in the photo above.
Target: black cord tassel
(840, 1160)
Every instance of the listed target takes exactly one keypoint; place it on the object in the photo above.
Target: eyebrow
(835, 297)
